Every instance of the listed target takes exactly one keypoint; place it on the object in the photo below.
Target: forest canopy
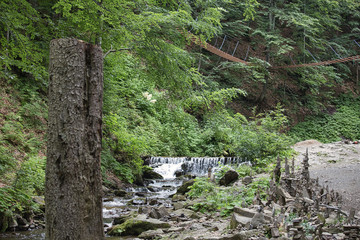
(165, 95)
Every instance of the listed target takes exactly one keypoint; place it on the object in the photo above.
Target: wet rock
(137, 201)
(153, 202)
(229, 177)
(121, 219)
(184, 188)
(108, 199)
(152, 189)
(151, 174)
(120, 193)
(179, 173)
(137, 225)
(140, 194)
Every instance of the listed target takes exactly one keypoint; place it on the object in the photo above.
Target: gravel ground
(336, 165)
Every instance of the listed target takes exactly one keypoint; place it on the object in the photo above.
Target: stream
(154, 193)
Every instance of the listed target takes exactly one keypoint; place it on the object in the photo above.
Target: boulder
(229, 177)
(185, 187)
(179, 173)
(158, 213)
(120, 193)
(237, 220)
(137, 225)
(151, 174)
(257, 220)
(178, 205)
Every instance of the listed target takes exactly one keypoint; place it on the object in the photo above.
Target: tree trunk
(73, 192)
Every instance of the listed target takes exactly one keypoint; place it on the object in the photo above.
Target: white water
(198, 166)
(168, 170)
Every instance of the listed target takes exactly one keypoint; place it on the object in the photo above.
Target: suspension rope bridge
(229, 57)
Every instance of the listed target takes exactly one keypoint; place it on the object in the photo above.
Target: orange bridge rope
(227, 56)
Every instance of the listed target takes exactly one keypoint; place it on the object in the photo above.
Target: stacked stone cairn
(313, 207)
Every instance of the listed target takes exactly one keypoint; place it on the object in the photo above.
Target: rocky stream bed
(298, 206)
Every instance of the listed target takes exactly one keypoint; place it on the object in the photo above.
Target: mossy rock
(151, 174)
(135, 226)
(185, 187)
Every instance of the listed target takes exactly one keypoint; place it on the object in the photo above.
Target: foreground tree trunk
(73, 175)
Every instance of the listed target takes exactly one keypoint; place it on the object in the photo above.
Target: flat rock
(245, 212)
(137, 225)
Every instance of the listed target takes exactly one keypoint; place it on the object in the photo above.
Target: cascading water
(197, 166)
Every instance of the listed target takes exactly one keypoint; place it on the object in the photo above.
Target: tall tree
(73, 191)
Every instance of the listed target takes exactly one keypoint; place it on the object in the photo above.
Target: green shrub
(214, 198)
(342, 124)
(202, 186)
(121, 170)
(30, 178)
(6, 160)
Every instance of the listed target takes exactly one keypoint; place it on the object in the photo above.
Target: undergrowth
(344, 123)
(214, 198)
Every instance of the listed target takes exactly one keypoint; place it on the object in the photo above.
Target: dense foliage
(343, 124)
(166, 96)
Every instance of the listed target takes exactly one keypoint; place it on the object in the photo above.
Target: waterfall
(198, 166)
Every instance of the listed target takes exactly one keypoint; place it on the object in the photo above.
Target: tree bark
(73, 191)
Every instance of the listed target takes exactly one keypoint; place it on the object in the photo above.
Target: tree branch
(115, 50)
